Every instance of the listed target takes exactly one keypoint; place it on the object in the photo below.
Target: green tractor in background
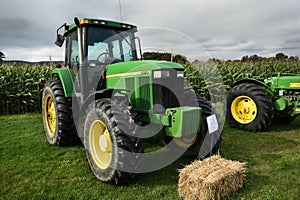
(114, 102)
(254, 103)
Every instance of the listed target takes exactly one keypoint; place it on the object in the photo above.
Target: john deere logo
(295, 85)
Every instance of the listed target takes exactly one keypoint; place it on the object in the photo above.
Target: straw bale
(211, 178)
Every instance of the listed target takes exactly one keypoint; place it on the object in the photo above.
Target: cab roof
(101, 22)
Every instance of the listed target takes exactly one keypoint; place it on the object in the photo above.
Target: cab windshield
(109, 45)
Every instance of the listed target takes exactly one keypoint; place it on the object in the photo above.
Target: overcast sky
(199, 29)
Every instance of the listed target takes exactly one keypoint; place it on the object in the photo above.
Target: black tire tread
(265, 108)
(124, 129)
(207, 110)
(65, 130)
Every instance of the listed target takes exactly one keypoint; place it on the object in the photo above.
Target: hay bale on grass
(211, 178)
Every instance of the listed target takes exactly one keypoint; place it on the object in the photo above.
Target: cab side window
(72, 58)
(74, 54)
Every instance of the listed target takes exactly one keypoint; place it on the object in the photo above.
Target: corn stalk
(21, 88)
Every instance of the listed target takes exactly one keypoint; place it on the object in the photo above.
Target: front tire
(249, 107)
(57, 115)
(112, 150)
(192, 144)
(207, 110)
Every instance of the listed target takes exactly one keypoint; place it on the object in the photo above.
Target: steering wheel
(102, 54)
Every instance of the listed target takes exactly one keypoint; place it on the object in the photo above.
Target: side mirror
(59, 40)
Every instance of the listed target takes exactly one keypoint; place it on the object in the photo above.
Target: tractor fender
(66, 80)
(256, 82)
(100, 94)
(105, 93)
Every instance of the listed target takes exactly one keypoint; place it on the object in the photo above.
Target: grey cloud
(15, 32)
(293, 40)
(202, 40)
(20, 32)
(223, 25)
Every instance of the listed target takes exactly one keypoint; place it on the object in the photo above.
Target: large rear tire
(249, 107)
(57, 115)
(112, 150)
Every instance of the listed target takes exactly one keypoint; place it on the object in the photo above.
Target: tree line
(183, 60)
(165, 56)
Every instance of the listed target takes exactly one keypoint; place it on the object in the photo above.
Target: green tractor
(114, 102)
(254, 103)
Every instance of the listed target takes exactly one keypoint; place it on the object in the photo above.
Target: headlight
(161, 74)
(180, 74)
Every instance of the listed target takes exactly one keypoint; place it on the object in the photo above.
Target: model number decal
(295, 85)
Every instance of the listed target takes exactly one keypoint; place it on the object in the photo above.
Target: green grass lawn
(33, 169)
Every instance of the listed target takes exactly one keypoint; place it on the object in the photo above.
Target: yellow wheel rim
(50, 115)
(186, 141)
(100, 144)
(243, 109)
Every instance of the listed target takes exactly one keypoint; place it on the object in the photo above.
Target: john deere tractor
(254, 103)
(114, 102)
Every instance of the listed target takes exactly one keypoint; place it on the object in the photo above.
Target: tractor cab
(91, 45)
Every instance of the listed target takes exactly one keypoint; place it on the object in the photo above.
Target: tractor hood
(138, 67)
(148, 83)
(284, 82)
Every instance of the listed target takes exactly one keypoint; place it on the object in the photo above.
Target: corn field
(21, 88)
